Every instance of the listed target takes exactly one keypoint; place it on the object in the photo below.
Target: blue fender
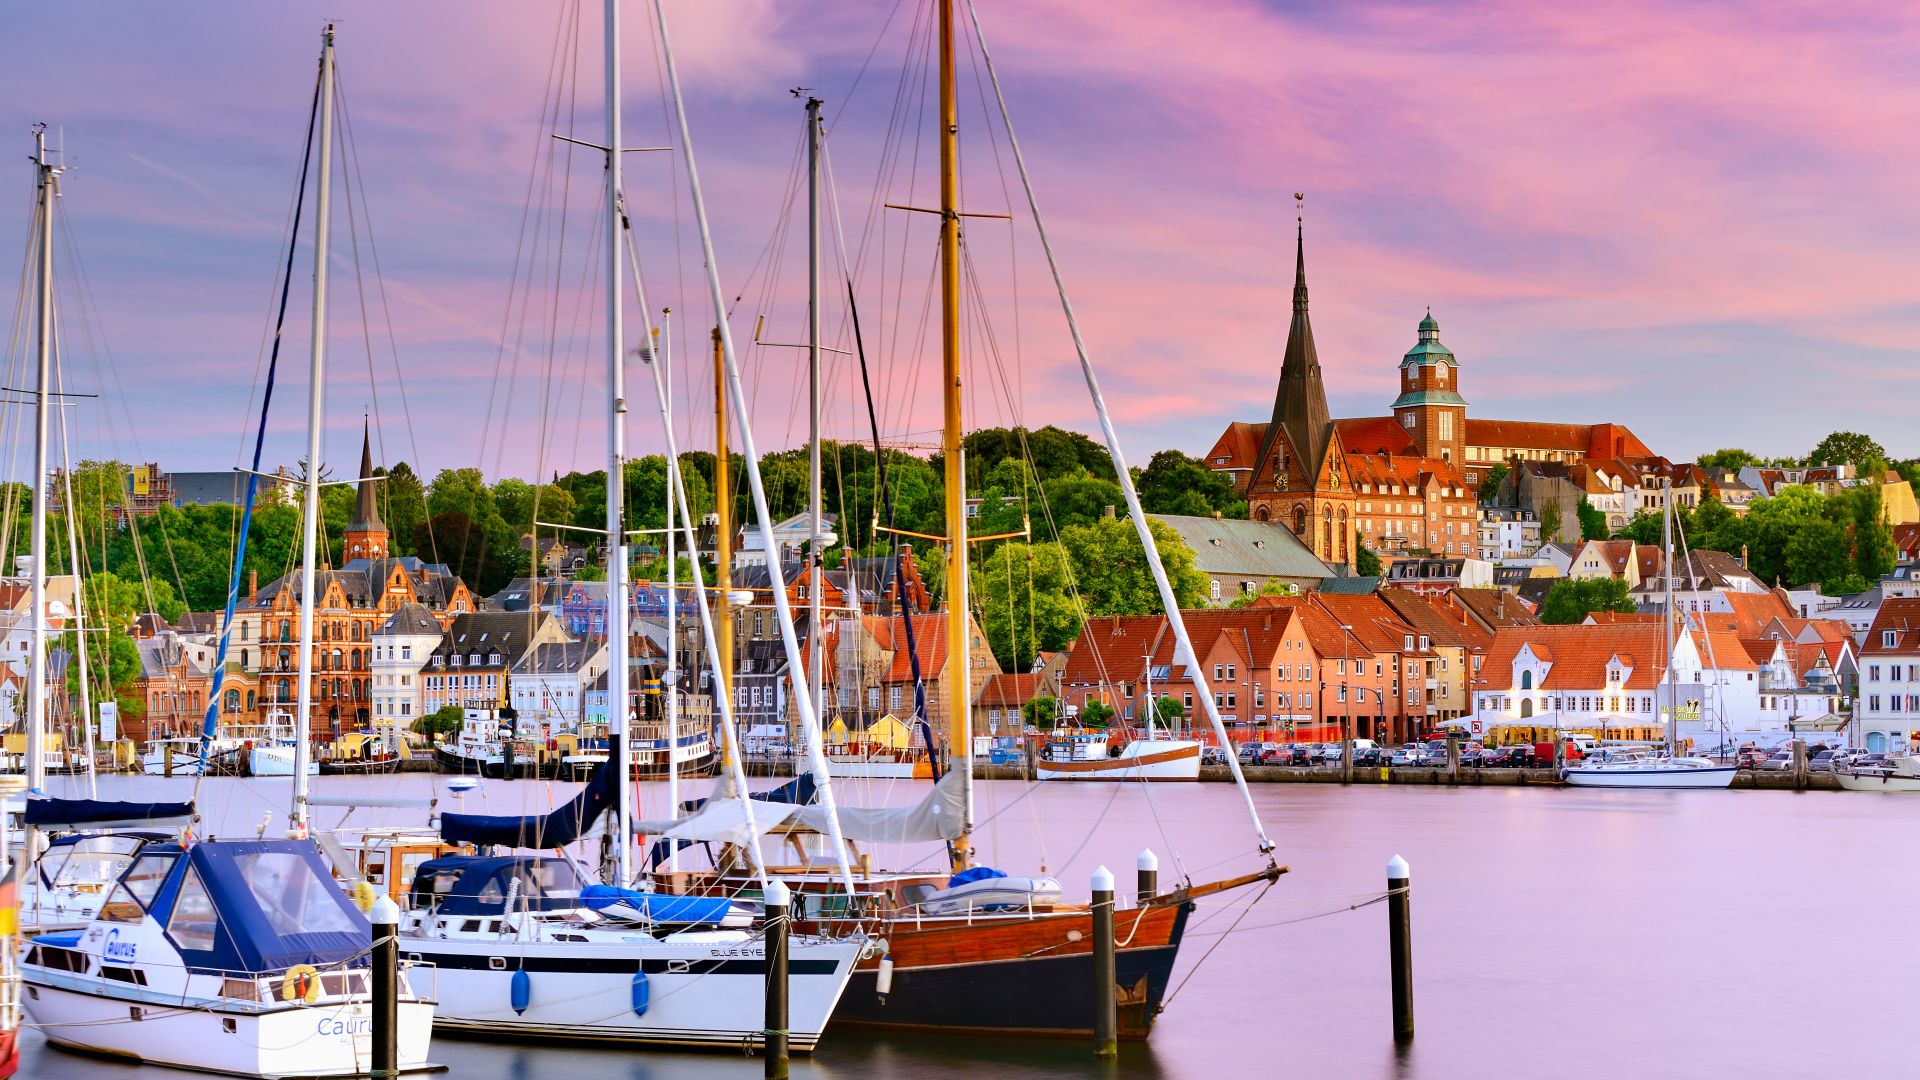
(642, 993)
(522, 993)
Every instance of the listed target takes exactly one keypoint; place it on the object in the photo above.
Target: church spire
(366, 534)
(1300, 406)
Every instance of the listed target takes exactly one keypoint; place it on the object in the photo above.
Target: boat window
(92, 860)
(292, 897)
(194, 921)
(129, 900)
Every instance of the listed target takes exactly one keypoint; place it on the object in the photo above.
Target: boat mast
(43, 347)
(616, 466)
(1673, 696)
(670, 679)
(722, 534)
(815, 530)
(316, 402)
(959, 660)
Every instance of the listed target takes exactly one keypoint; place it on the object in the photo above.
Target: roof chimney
(253, 586)
(1109, 510)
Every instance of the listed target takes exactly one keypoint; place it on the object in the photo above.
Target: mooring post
(1148, 865)
(1799, 764)
(1106, 1020)
(779, 898)
(1400, 946)
(1453, 761)
(1346, 749)
(385, 915)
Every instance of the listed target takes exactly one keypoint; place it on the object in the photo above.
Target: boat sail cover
(721, 821)
(557, 829)
(941, 815)
(96, 814)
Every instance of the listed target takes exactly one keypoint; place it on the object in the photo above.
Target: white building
(1887, 712)
(550, 685)
(1508, 532)
(400, 649)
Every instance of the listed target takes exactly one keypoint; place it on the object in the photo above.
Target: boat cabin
(1081, 746)
(480, 886)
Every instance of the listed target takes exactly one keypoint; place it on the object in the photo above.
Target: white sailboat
(1084, 755)
(521, 946)
(1671, 769)
(222, 956)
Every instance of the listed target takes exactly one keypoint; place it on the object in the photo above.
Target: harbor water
(1556, 932)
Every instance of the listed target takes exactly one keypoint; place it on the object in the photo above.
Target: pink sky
(1693, 220)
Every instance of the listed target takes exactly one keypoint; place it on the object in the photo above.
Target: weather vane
(1300, 206)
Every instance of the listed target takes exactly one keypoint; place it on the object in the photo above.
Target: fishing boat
(1008, 956)
(477, 746)
(1900, 774)
(1084, 756)
(271, 748)
(358, 753)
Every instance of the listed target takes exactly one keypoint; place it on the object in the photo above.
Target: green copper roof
(1429, 397)
(1428, 349)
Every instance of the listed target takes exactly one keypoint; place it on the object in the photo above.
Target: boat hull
(697, 995)
(276, 761)
(1885, 783)
(875, 769)
(1017, 975)
(1710, 778)
(1140, 760)
(311, 1040)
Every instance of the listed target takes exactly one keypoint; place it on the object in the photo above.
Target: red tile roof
(1899, 616)
(1579, 655)
(1015, 690)
(1373, 435)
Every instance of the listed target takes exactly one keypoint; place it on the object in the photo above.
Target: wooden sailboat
(968, 950)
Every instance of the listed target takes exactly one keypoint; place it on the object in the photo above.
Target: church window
(1446, 426)
(1406, 419)
(1300, 520)
(1261, 513)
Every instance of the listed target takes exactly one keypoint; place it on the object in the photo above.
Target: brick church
(1402, 483)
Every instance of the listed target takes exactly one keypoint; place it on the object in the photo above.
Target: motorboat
(238, 957)
(1640, 770)
(1085, 756)
(1900, 774)
(272, 749)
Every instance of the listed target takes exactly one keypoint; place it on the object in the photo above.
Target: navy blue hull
(1036, 995)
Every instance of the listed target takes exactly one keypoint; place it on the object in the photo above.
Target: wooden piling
(779, 898)
(1106, 1020)
(386, 987)
(1400, 946)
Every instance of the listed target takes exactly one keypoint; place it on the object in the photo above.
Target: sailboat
(223, 956)
(1671, 769)
(522, 945)
(972, 949)
(1083, 755)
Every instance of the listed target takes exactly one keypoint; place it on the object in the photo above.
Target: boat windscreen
(291, 895)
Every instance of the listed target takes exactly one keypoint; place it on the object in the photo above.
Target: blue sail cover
(540, 831)
(799, 791)
(95, 814)
(255, 907)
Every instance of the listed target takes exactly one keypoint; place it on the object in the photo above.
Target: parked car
(1212, 755)
(1823, 761)
(1369, 757)
(1781, 760)
(1412, 754)
(1251, 752)
(1513, 757)
(1751, 757)
(1302, 755)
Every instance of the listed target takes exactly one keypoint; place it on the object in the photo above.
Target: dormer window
(456, 659)
(1889, 638)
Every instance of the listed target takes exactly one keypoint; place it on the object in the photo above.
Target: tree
(1847, 448)
(1168, 711)
(1593, 523)
(1110, 568)
(1040, 712)
(1571, 600)
(1021, 592)
(932, 563)
(1550, 522)
(1490, 487)
(1365, 562)
(442, 722)
(1271, 587)
(1645, 528)
(1173, 483)
(403, 506)
(1079, 499)
(1729, 458)
(1095, 714)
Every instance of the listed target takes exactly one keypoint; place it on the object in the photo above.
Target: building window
(1406, 420)
(893, 697)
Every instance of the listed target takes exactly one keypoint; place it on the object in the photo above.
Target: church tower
(1299, 479)
(1430, 407)
(367, 534)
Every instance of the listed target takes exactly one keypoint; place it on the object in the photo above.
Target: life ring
(301, 983)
